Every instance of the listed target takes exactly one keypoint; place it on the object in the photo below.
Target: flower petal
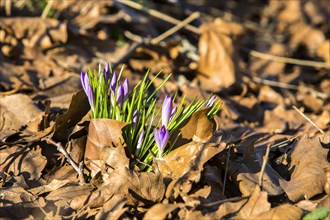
(166, 110)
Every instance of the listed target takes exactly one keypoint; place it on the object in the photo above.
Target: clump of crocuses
(146, 137)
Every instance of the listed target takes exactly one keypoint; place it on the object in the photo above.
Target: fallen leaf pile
(259, 158)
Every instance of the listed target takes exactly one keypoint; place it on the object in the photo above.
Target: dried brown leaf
(21, 161)
(113, 208)
(10, 105)
(105, 145)
(218, 58)
(285, 211)
(256, 205)
(160, 211)
(199, 125)
(308, 159)
(65, 123)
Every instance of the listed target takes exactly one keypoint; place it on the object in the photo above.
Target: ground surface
(268, 61)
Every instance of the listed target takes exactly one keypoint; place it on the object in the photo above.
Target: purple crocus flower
(106, 71)
(161, 139)
(126, 88)
(141, 137)
(167, 110)
(120, 95)
(135, 118)
(87, 88)
(211, 101)
(113, 82)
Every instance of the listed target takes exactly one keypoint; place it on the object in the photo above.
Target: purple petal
(113, 82)
(211, 101)
(164, 135)
(120, 95)
(157, 139)
(135, 118)
(166, 110)
(106, 70)
(126, 88)
(139, 143)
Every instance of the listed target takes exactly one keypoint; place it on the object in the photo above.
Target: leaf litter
(258, 159)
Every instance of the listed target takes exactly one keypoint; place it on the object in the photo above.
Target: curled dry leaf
(138, 188)
(248, 173)
(308, 158)
(113, 208)
(199, 125)
(184, 165)
(65, 123)
(256, 205)
(218, 54)
(11, 122)
(11, 203)
(21, 161)
(105, 144)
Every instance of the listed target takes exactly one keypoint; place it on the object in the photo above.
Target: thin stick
(290, 86)
(226, 172)
(176, 28)
(308, 119)
(263, 167)
(75, 166)
(8, 7)
(47, 8)
(158, 14)
(288, 60)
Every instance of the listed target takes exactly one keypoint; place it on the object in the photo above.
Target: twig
(75, 166)
(176, 28)
(226, 172)
(47, 8)
(308, 119)
(158, 14)
(235, 199)
(290, 86)
(288, 60)
(263, 167)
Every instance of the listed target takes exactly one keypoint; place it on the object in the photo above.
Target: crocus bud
(87, 88)
(211, 101)
(120, 95)
(161, 139)
(135, 118)
(140, 140)
(126, 89)
(113, 82)
(166, 110)
(106, 72)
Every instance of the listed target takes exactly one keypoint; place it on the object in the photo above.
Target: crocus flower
(106, 71)
(140, 140)
(211, 101)
(135, 118)
(120, 95)
(87, 88)
(113, 82)
(126, 88)
(167, 110)
(161, 139)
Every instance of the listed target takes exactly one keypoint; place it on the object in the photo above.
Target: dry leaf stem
(263, 167)
(308, 119)
(77, 167)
